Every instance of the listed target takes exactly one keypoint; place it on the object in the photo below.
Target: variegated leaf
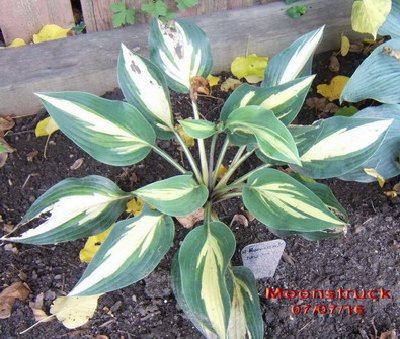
(73, 209)
(284, 204)
(182, 50)
(112, 132)
(177, 196)
(245, 320)
(339, 145)
(284, 100)
(323, 192)
(392, 24)
(386, 160)
(145, 87)
(131, 252)
(377, 77)
(273, 138)
(203, 259)
(176, 283)
(291, 63)
(198, 128)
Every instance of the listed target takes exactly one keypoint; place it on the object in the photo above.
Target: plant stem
(189, 157)
(168, 158)
(238, 155)
(202, 148)
(226, 189)
(220, 160)
(232, 169)
(247, 175)
(211, 161)
(207, 213)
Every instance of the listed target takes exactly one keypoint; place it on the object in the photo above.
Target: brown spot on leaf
(135, 68)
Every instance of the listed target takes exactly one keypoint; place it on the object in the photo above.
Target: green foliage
(121, 14)
(297, 11)
(220, 299)
(158, 8)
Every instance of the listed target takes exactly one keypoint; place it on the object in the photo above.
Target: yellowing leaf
(369, 41)
(92, 245)
(17, 42)
(334, 89)
(213, 80)
(374, 173)
(188, 140)
(46, 127)
(368, 15)
(344, 45)
(221, 171)
(74, 311)
(135, 206)
(230, 84)
(50, 32)
(251, 68)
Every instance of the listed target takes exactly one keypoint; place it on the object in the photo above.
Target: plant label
(262, 258)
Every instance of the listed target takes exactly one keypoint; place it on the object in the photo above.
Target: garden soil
(367, 257)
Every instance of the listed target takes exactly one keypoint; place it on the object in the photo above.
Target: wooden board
(97, 14)
(88, 62)
(21, 19)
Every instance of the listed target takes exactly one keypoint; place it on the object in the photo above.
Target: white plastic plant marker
(262, 258)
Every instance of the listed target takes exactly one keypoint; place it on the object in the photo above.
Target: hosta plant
(220, 298)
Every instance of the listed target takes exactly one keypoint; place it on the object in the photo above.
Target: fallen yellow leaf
(230, 84)
(344, 45)
(334, 89)
(134, 206)
(74, 311)
(92, 245)
(50, 32)
(188, 140)
(17, 42)
(213, 80)
(374, 173)
(251, 68)
(369, 41)
(221, 171)
(46, 127)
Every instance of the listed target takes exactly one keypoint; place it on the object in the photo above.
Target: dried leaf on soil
(190, 220)
(230, 84)
(198, 85)
(344, 45)
(334, 89)
(250, 217)
(77, 164)
(374, 173)
(50, 32)
(11, 248)
(213, 80)
(251, 68)
(6, 123)
(17, 290)
(92, 245)
(239, 219)
(17, 42)
(37, 308)
(46, 127)
(317, 103)
(334, 65)
(32, 155)
(74, 311)
(391, 334)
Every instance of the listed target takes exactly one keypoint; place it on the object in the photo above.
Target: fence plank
(97, 14)
(87, 62)
(22, 18)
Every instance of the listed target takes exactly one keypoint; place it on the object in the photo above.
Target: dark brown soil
(366, 258)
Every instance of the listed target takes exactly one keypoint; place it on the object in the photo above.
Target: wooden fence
(22, 18)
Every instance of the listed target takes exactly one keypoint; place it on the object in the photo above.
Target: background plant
(219, 298)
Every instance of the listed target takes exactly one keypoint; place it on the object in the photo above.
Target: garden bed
(366, 258)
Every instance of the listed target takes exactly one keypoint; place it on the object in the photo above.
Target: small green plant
(219, 298)
(159, 8)
(122, 15)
